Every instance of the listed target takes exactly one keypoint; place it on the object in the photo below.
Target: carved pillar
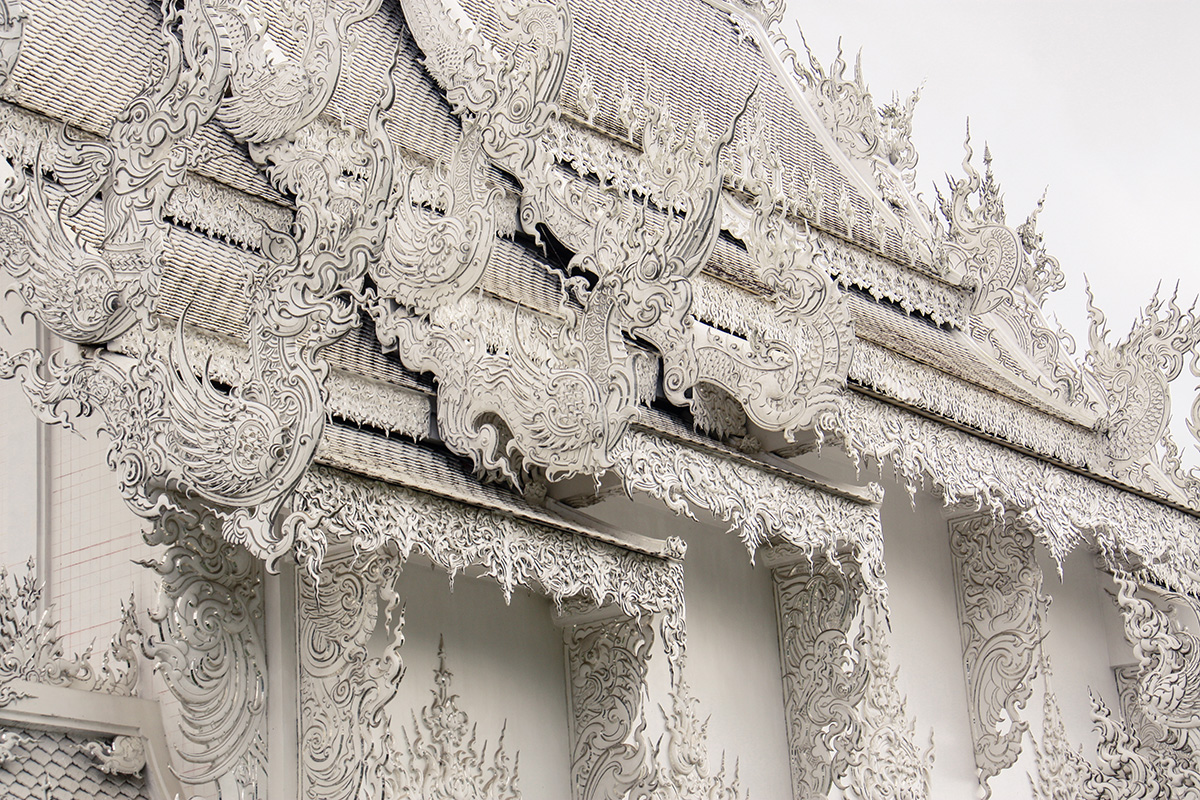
(345, 740)
(606, 664)
(209, 650)
(1000, 607)
(818, 602)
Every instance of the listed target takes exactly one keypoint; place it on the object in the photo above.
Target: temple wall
(507, 666)
(733, 645)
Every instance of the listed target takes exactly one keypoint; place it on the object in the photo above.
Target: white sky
(1099, 101)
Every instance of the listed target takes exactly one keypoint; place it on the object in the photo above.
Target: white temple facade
(561, 400)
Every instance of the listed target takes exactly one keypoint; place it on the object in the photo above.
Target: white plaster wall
(507, 664)
(733, 645)
(1079, 620)
(1083, 641)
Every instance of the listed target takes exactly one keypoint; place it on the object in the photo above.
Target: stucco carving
(12, 25)
(124, 755)
(10, 741)
(681, 770)
(1129, 769)
(1134, 376)
(825, 673)
(442, 761)
(172, 433)
(846, 107)
(369, 514)
(1000, 610)
(929, 389)
(31, 648)
(345, 737)
(607, 662)
(1061, 768)
(758, 503)
(891, 763)
(854, 267)
(1061, 508)
(209, 648)
(1013, 274)
(1168, 681)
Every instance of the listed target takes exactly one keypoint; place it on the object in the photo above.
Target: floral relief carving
(442, 761)
(607, 662)
(891, 762)
(1061, 508)
(1000, 610)
(31, 649)
(369, 515)
(345, 738)
(825, 673)
(209, 648)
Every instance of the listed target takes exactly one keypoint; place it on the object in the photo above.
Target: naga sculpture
(174, 434)
(1012, 274)
(1134, 377)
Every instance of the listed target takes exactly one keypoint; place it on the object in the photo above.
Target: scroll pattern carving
(443, 762)
(345, 738)
(891, 762)
(1127, 768)
(209, 648)
(1000, 611)
(31, 648)
(759, 504)
(174, 435)
(369, 515)
(1168, 681)
(825, 675)
(848, 110)
(607, 662)
(1060, 507)
(1134, 376)
(1013, 274)
(799, 370)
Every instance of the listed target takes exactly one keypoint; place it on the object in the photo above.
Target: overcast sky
(1098, 101)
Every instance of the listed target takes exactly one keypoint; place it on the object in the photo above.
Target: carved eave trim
(854, 267)
(762, 502)
(921, 386)
(402, 464)
(892, 378)
(514, 552)
(1063, 508)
